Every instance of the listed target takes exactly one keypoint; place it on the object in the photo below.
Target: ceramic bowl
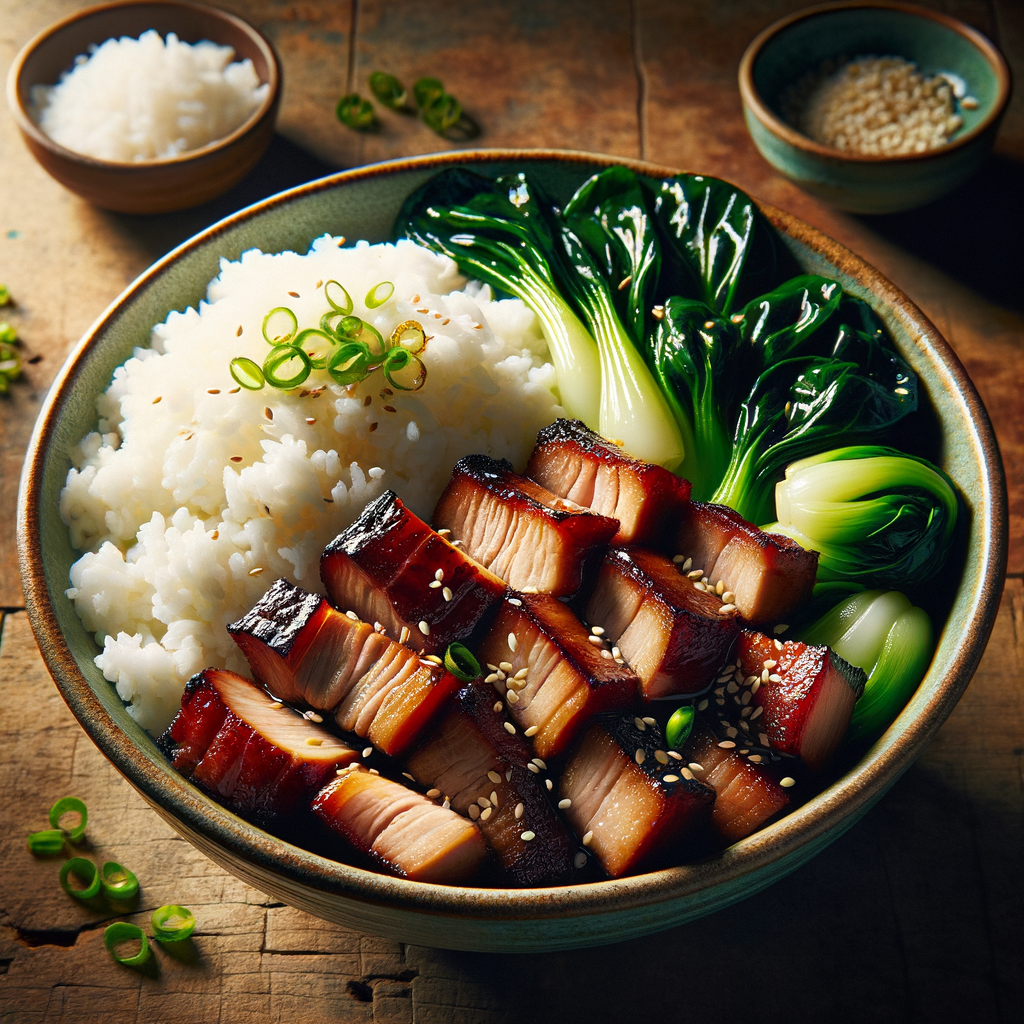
(362, 204)
(147, 186)
(937, 43)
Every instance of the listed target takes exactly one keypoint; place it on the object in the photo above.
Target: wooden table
(915, 915)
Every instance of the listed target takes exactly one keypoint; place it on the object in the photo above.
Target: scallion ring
(410, 336)
(279, 326)
(444, 113)
(353, 328)
(46, 843)
(349, 363)
(404, 370)
(355, 112)
(118, 882)
(349, 327)
(341, 303)
(426, 91)
(388, 89)
(122, 931)
(172, 923)
(246, 374)
(317, 344)
(678, 728)
(379, 294)
(70, 805)
(459, 660)
(84, 870)
(285, 359)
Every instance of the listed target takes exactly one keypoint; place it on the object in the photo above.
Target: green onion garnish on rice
(379, 294)
(172, 923)
(317, 344)
(349, 363)
(246, 374)
(85, 871)
(404, 370)
(279, 326)
(409, 335)
(69, 805)
(284, 359)
(121, 932)
(341, 303)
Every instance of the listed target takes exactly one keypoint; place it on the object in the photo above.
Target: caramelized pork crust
(530, 537)
(570, 460)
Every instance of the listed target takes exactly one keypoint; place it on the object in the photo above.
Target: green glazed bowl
(787, 50)
(362, 204)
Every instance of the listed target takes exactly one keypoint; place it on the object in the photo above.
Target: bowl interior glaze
(362, 204)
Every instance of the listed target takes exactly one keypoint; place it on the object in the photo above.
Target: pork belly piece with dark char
(629, 800)
(570, 460)
(805, 697)
(559, 675)
(530, 537)
(404, 832)
(491, 774)
(303, 650)
(746, 795)
(390, 567)
(767, 574)
(254, 754)
(673, 632)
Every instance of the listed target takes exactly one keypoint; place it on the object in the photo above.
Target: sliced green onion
(388, 89)
(7, 333)
(118, 882)
(353, 328)
(284, 358)
(677, 731)
(379, 294)
(317, 344)
(85, 871)
(349, 327)
(426, 91)
(10, 361)
(5, 295)
(172, 923)
(341, 303)
(279, 326)
(349, 363)
(404, 370)
(355, 112)
(459, 660)
(245, 373)
(409, 335)
(46, 843)
(122, 931)
(70, 805)
(444, 113)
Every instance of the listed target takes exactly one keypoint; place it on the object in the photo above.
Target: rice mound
(193, 496)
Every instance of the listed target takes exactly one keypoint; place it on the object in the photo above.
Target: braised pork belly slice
(628, 799)
(491, 774)
(805, 698)
(302, 649)
(254, 754)
(390, 567)
(746, 795)
(404, 832)
(570, 460)
(768, 575)
(559, 675)
(673, 632)
(530, 537)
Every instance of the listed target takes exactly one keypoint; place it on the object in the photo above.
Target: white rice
(189, 504)
(148, 98)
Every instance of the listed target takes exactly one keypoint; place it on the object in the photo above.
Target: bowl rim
(28, 126)
(824, 815)
(753, 101)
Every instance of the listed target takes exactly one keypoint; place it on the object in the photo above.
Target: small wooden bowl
(145, 186)
(868, 183)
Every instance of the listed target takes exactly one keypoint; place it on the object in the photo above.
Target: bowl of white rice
(146, 107)
(874, 106)
(159, 501)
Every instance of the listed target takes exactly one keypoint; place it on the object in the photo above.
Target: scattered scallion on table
(84, 871)
(355, 112)
(121, 932)
(70, 805)
(172, 923)
(5, 295)
(389, 90)
(117, 881)
(46, 843)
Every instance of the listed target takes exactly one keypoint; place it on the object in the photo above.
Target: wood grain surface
(912, 916)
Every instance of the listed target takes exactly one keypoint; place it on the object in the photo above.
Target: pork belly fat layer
(746, 795)
(808, 697)
(566, 677)
(482, 768)
(524, 533)
(257, 756)
(628, 803)
(673, 635)
(404, 832)
(573, 462)
(769, 575)
(383, 568)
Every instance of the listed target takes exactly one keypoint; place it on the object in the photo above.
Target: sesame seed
(670, 778)
(529, 590)
(508, 775)
(268, 412)
(745, 698)
(771, 663)
(404, 635)
(755, 686)
(485, 814)
(675, 754)
(505, 666)
(494, 677)
(775, 678)
(563, 804)
(727, 745)
(433, 792)
(597, 630)
(607, 655)
(686, 774)
(719, 587)
(528, 836)
(728, 597)
(256, 571)
(483, 801)
(516, 602)
(314, 717)
(314, 741)
(493, 668)
(732, 732)
(434, 584)
(367, 751)
(678, 559)
(778, 644)
(580, 860)
(762, 738)
(522, 673)
(661, 757)
(695, 767)
(474, 811)
(443, 533)
(702, 706)
(519, 811)
(311, 420)
(540, 764)
(756, 714)
(446, 593)
(701, 587)
(639, 756)
(764, 676)
(780, 628)
(532, 731)
(549, 785)
(616, 653)
(587, 838)
(695, 574)
(639, 723)
(650, 721)
(533, 768)
(424, 627)
(727, 609)
(512, 697)
(510, 728)
(373, 771)
(755, 758)
(787, 782)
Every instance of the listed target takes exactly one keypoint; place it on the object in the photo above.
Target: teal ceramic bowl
(363, 204)
(937, 43)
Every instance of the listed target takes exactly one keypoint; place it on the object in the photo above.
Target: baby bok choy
(875, 515)
(884, 634)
